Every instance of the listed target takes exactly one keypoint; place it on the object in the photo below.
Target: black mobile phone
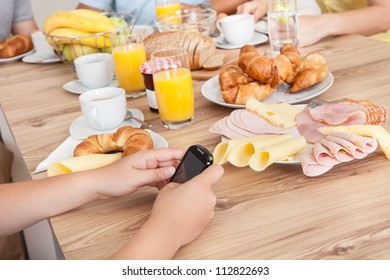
(196, 159)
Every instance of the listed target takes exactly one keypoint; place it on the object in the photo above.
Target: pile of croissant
(15, 45)
(257, 76)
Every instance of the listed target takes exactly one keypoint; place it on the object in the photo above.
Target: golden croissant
(126, 139)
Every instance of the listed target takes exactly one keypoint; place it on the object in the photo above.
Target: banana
(93, 15)
(75, 36)
(76, 21)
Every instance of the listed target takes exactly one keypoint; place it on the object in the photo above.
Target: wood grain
(275, 214)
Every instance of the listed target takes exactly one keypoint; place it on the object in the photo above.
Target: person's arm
(366, 21)
(26, 27)
(258, 8)
(25, 203)
(179, 215)
(228, 7)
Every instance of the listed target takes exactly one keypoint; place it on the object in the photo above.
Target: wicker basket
(77, 45)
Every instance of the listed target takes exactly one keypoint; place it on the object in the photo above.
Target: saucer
(77, 87)
(261, 26)
(35, 58)
(258, 38)
(79, 128)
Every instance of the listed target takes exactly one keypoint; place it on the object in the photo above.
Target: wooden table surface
(275, 214)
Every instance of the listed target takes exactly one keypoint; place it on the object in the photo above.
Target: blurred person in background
(145, 10)
(16, 17)
(339, 17)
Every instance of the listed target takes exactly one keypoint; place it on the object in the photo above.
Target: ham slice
(243, 123)
(343, 113)
(308, 128)
(336, 148)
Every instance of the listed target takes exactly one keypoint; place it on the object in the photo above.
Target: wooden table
(275, 214)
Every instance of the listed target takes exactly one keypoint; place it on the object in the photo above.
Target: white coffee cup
(95, 70)
(237, 29)
(42, 46)
(104, 108)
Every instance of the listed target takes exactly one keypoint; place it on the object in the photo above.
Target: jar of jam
(147, 73)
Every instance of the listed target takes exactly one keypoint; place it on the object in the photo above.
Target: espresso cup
(42, 46)
(237, 29)
(95, 70)
(104, 108)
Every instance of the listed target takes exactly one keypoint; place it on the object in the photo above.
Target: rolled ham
(336, 148)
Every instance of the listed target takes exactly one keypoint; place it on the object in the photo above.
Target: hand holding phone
(196, 159)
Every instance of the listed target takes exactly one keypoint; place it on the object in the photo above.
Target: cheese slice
(279, 114)
(223, 149)
(81, 163)
(263, 158)
(242, 153)
(375, 131)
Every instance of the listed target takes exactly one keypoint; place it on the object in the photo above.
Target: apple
(118, 22)
(71, 52)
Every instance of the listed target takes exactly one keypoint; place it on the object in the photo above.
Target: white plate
(262, 26)
(211, 91)
(79, 128)
(35, 58)
(4, 60)
(257, 39)
(75, 86)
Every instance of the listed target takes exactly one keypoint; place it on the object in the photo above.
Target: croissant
(312, 70)
(258, 67)
(294, 57)
(237, 87)
(127, 140)
(15, 45)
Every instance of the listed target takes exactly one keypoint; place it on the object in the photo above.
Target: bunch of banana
(75, 26)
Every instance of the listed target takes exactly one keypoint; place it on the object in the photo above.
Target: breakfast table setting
(278, 212)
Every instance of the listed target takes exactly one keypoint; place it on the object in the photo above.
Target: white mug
(104, 108)
(237, 29)
(42, 46)
(95, 70)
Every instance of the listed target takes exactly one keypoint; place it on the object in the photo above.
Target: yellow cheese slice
(241, 154)
(375, 131)
(81, 163)
(263, 158)
(223, 149)
(279, 114)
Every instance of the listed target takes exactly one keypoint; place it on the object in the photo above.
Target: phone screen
(194, 162)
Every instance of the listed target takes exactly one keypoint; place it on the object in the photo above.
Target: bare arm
(227, 7)
(258, 8)
(25, 27)
(366, 21)
(25, 203)
(179, 215)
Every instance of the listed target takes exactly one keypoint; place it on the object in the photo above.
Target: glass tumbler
(173, 87)
(282, 24)
(129, 53)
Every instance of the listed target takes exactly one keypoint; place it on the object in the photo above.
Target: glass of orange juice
(129, 53)
(173, 87)
(167, 8)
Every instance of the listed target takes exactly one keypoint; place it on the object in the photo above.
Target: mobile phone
(196, 159)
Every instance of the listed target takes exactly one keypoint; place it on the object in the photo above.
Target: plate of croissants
(288, 78)
(15, 47)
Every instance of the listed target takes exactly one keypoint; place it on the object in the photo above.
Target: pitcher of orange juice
(129, 53)
(173, 87)
(167, 8)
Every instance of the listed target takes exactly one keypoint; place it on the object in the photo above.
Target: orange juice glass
(173, 87)
(129, 53)
(167, 8)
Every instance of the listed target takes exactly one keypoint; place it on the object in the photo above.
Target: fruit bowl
(68, 48)
(200, 20)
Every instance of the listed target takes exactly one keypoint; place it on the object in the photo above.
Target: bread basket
(68, 48)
